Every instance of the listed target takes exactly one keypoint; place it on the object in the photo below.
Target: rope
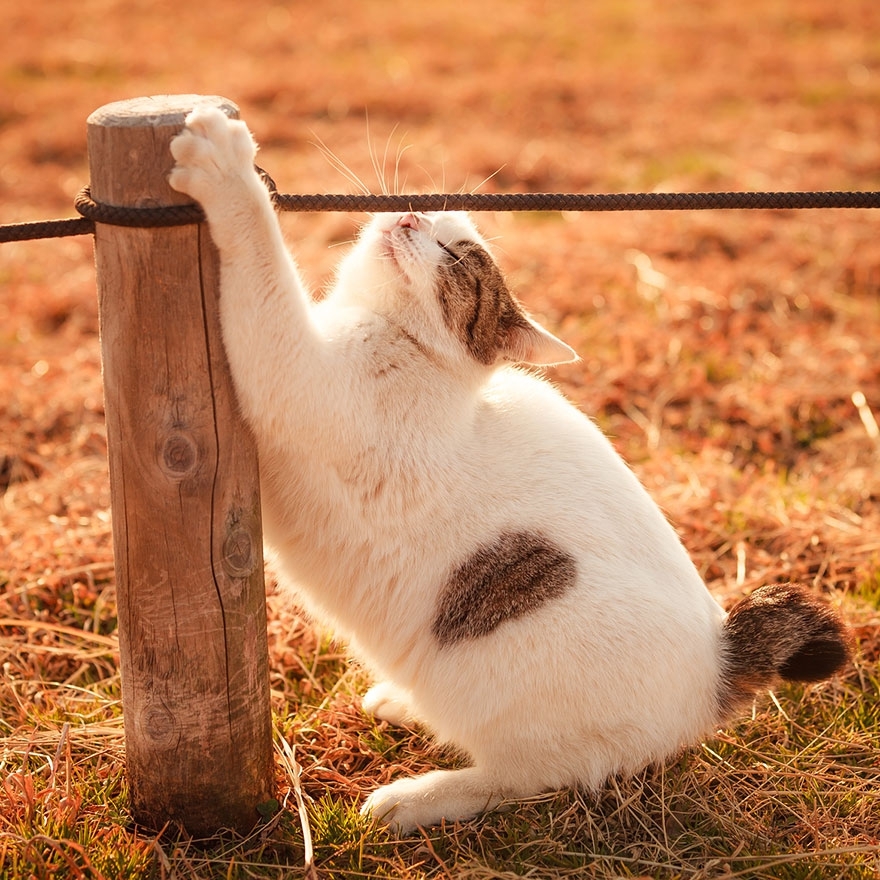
(577, 201)
(45, 229)
(93, 212)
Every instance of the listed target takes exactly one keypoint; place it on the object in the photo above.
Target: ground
(733, 357)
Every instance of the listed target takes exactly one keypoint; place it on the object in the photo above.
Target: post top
(156, 110)
(129, 155)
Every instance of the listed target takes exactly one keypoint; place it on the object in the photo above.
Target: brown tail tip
(819, 659)
(782, 630)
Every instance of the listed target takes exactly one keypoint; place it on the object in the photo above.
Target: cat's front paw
(422, 801)
(214, 156)
(397, 807)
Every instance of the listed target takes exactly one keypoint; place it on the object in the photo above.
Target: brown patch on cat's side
(476, 302)
(512, 577)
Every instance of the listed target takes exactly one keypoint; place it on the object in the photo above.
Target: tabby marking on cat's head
(443, 262)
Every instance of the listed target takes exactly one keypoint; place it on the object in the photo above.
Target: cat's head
(433, 273)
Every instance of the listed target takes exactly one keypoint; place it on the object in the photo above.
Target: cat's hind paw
(213, 153)
(388, 703)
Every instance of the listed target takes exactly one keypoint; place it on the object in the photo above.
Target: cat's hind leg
(426, 800)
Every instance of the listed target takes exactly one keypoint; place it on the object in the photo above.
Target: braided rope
(46, 229)
(577, 201)
(93, 212)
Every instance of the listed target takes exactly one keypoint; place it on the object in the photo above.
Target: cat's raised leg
(265, 310)
(428, 799)
(388, 703)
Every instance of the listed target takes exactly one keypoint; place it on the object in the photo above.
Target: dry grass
(734, 358)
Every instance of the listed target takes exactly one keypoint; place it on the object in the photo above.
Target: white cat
(471, 534)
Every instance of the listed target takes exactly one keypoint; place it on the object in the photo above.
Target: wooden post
(185, 498)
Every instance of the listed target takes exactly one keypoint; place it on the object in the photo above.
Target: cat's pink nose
(408, 221)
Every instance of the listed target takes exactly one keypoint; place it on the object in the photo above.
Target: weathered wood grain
(185, 498)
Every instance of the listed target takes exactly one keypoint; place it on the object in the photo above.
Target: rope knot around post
(144, 218)
(149, 217)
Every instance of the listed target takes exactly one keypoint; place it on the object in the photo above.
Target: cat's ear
(526, 342)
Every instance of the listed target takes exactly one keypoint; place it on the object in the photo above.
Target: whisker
(336, 244)
(338, 165)
(433, 182)
(377, 170)
(385, 155)
(443, 181)
(400, 152)
(485, 180)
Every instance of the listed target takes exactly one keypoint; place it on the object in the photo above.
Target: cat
(471, 534)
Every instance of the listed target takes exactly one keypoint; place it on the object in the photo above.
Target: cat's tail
(779, 631)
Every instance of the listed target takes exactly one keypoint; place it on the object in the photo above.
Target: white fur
(384, 467)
